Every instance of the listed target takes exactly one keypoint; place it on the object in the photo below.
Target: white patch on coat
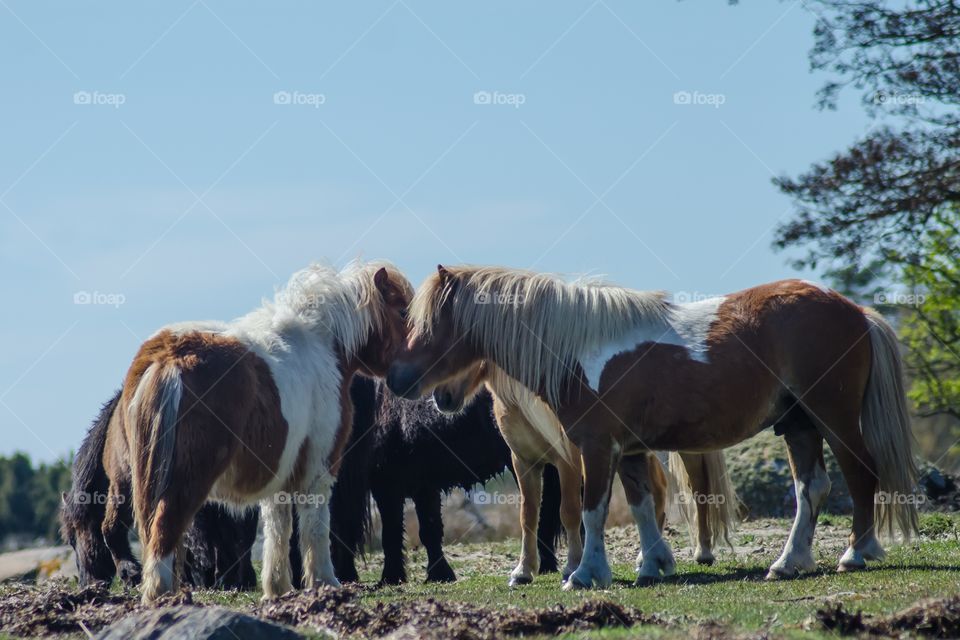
(687, 325)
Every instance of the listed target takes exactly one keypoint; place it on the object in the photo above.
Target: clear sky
(178, 160)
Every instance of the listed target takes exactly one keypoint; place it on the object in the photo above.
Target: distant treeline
(30, 496)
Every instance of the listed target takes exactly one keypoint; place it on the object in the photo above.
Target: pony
(218, 542)
(536, 436)
(254, 410)
(627, 372)
(402, 450)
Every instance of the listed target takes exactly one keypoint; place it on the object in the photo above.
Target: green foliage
(931, 330)
(30, 497)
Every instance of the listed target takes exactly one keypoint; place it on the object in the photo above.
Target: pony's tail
(885, 424)
(152, 418)
(723, 509)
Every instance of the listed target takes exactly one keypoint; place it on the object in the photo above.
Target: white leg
(593, 568)
(854, 559)
(314, 511)
(797, 556)
(655, 559)
(277, 526)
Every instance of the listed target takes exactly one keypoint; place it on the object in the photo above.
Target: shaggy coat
(411, 450)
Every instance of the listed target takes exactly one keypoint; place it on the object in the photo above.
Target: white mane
(343, 304)
(533, 326)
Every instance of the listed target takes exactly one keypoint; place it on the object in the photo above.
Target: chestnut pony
(536, 437)
(627, 372)
(253, 410)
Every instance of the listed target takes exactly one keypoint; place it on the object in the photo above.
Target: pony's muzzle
(446, 402)
(404, 380)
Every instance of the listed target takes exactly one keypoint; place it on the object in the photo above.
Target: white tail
(885, 424)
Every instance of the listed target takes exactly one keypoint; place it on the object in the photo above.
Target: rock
(31, 565)
(199, 623)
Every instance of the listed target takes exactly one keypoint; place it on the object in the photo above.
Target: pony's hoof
(441, 572)
(706, 561)
(574, 584)
(781, 573)
(519, 581)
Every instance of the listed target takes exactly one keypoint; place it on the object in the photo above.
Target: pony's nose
(402, 381)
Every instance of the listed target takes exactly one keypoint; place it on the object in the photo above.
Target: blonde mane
(533, 326)
(344, 304)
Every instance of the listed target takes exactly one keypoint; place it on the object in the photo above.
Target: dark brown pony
(255, 410)
(627, 372)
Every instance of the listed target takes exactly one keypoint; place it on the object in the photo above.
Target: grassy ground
(732, 593)
(731, 596)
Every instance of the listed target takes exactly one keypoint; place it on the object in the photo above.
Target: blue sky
(181, 159)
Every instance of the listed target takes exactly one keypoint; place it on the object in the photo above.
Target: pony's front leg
(277, 517)
(314, 513)
(529, 477)
(571, 502)
(600, 458)
(656, 558)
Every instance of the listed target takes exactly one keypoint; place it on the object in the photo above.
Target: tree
(889, 206)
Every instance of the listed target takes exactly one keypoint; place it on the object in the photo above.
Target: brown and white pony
(627, 372)
(536, 437)
(254, 410)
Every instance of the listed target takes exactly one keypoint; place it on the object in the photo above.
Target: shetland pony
(627, 372)
(535, 436)
(218, 542)
(403, 450)
(254, 410)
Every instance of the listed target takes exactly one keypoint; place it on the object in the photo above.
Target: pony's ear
(63, 498)
(443, 273)
(381, 278)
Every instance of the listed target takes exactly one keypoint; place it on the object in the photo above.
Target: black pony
(403, 449)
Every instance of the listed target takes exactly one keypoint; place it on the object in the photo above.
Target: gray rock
(196, 623)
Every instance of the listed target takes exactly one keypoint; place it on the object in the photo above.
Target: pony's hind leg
(645, 491)
(700, 488)
(529, 477)
(277, 517)
(315, 535)
(811, 485)
(600, 458)
(430, 517)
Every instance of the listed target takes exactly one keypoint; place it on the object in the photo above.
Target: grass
(732, 593)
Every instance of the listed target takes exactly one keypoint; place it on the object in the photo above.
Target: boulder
(197, 623)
